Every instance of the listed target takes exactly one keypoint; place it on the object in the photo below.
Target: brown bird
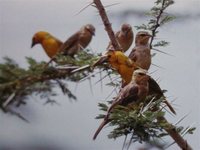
(135, 91)
(124, 38)
(49, 43)
(78, 41)
(141, 53)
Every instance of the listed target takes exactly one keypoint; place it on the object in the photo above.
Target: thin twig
(157, 23)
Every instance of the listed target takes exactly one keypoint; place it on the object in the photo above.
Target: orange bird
(120, 62)
(135, 91)
(49, 43)
(78, 41)
(140, 54)
(124, 37)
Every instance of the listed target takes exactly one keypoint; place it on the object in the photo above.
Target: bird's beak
(33, 44)
(100, 61)
(93, 33)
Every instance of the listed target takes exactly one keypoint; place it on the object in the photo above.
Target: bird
(136, 91)
(124, 37)
(49, 43)
(119, 62)
(141, 53)
(78, 40)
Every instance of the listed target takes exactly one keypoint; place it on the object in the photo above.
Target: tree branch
(107, 24)
(176, 136)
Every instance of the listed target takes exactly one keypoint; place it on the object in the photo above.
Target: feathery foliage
(17, 84)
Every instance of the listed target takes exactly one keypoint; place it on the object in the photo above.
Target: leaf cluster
(140, 121)
(17, 84)
(158, 17)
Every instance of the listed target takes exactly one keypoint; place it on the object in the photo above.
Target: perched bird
(78, 41)
(49, 43)
(120, 62)
(141, 52)
(124, 38)
(135, 91)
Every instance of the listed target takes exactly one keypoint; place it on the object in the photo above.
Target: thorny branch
(107, 24)
(157, 24)
(176, 136)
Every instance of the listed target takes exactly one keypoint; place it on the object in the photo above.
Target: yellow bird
(124, 37)
(120, 62)
(49, 43)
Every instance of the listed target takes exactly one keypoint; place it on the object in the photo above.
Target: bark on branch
(176, 136)
(107, 24)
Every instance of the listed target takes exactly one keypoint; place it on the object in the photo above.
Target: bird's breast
(85, 39)
(51, 47)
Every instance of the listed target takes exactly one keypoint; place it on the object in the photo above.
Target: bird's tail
(100, 128)
(169, 106)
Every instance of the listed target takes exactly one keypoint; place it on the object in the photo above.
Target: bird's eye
(141, 74)
(142, 34)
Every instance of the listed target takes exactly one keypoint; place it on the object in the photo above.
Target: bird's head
(39, 37)
(90, 28)
(108, 56)
(140, 75)
(126, 28)
(142, 37)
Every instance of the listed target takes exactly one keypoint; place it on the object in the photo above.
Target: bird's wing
(127, 95)
(71, 41)
(132, 55)
(154, 88)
